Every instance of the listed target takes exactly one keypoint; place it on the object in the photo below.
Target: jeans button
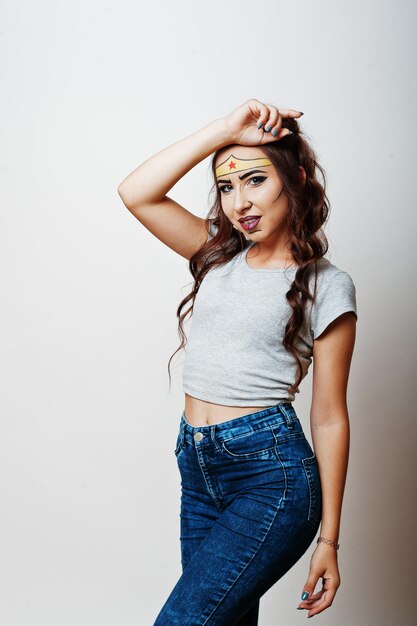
(198, 436)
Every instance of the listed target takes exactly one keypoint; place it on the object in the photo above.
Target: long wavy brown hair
(308, 210)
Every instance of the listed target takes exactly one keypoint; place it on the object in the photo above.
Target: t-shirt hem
(229, 402)
(334, 315)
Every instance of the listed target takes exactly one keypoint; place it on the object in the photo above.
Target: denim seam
(251, 432)
(247, 455)
(203, 468)
(306, 464)
(280, 439)
(260, 545)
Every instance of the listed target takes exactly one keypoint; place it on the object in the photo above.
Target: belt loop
(182, 433)
(213, 437)
(287, 415)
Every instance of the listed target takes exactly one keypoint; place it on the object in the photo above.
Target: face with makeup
(250, 186)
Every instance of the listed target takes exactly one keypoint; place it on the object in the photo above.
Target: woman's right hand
(243, 122)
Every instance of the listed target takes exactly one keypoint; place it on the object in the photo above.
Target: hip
(263, 453)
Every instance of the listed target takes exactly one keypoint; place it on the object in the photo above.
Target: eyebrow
(227, 180)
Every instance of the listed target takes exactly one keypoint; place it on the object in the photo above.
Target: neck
(273, 258)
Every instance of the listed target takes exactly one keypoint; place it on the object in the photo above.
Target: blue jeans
(251, 505)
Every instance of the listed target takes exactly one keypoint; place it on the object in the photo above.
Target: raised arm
(144, 191)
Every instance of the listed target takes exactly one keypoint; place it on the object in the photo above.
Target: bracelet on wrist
(331, 542)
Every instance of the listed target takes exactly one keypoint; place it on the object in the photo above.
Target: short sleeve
(336, 295)
(212, 229)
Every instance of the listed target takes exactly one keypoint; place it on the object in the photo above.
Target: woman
(254, 492)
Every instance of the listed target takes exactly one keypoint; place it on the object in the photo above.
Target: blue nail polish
(267, 129)
(260, 126)
(275, 132)
(304, 595)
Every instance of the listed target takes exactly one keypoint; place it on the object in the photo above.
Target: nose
(240, 202)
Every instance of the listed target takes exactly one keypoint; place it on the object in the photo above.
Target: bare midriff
(201, 413)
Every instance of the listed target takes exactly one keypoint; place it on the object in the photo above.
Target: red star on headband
(232, 165)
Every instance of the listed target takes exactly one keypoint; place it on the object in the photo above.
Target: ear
(303, 173)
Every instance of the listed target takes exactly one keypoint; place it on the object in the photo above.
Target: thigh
(198, 514)
(197, 519)
(249, 547)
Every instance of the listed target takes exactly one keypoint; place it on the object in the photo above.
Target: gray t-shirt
(234, 354)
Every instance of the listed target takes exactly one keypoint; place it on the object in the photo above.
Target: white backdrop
(89, 487)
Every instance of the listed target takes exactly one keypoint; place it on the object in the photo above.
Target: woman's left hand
(323, 565)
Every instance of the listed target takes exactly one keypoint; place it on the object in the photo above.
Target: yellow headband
(237, 165)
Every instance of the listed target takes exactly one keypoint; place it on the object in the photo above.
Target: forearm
(331, 445)
(152, 180)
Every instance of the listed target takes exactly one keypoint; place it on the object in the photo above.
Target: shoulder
(335, 295)
(330, 275)
(329, 269)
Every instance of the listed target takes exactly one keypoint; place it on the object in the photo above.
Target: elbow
(122, 193)
(120, 190)
(132, 197)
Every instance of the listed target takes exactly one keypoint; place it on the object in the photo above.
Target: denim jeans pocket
(312, 474)
(251, 445)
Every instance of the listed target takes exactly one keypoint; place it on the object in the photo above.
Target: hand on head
(255, 123)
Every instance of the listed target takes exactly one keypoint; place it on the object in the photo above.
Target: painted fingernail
(259, 125)
(275, 132)
(301, 112)
(267, 129)
(304, 595)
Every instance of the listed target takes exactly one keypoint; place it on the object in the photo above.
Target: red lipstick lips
(249, 222)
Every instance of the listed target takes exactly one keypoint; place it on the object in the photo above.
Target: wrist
(222, 134)
(332, 543)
